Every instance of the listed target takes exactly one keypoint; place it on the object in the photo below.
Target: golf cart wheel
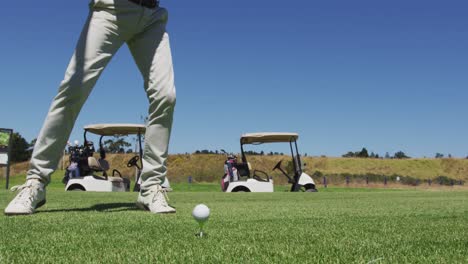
(309, 188)
(241, 189)
(76, 187)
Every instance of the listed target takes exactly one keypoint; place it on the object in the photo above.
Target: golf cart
(82, 173)
(239, 176)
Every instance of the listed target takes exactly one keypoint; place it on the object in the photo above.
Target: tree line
(365, 154)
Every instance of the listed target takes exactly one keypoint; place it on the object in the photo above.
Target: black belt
(146, 3)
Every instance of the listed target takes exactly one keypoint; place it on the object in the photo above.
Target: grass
(335, 225)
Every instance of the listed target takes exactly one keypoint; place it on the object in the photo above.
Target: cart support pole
(8, 165)
(136, 187)
(295, 186)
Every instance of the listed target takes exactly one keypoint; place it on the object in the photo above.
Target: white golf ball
(201, 213)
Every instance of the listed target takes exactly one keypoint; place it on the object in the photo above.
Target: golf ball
(201, 212)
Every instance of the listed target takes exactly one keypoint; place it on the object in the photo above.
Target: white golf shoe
(30, 197)
(154, 200)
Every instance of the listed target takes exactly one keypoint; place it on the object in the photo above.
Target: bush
(19, 149)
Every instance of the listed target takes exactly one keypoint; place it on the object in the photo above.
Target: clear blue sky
(385, 75)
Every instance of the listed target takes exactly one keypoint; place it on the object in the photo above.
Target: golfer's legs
(97, 44)
(152, 53)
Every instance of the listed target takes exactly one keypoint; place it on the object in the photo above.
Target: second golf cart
(239, 176)
(83, 172)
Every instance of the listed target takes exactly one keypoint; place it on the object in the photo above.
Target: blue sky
(385, 75)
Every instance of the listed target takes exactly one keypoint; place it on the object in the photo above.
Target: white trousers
(110, 24)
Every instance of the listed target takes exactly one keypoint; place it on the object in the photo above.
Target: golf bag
(230, 172)
(78, 160)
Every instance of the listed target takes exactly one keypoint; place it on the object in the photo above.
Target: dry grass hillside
(209, 167)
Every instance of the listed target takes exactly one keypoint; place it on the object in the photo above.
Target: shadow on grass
(103, 208)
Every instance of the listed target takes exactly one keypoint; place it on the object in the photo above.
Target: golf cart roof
(268, 137)
(115, 129)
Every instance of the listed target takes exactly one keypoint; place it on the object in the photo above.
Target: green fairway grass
(335, 225)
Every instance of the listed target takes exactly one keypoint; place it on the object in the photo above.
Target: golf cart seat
(105, 167)
(101, 165)
(243, 169)
(104, 164)
(93, 164)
